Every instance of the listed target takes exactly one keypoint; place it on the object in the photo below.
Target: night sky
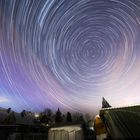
(69, 54)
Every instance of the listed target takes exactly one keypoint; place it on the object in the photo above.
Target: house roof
(135, 108)
(122, 122)
(65, 124)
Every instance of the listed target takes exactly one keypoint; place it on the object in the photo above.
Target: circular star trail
(69, 54)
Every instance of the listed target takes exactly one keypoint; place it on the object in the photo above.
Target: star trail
(69, 54)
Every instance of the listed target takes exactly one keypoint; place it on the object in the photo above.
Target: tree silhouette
(8, 110)
(48, 112)
(23, 113)
(81, 118)
(58, 116)
(69, 118)
(77, 117)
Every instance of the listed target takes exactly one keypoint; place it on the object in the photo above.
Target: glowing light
(36, 115)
